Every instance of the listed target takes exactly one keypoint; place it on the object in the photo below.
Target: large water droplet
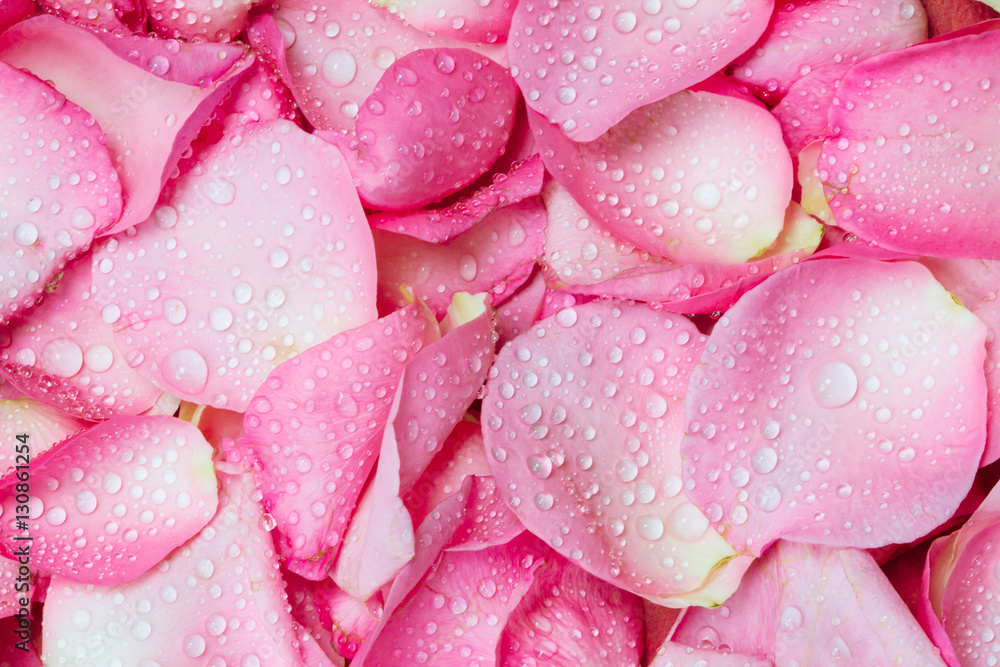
(339, 67)
(834, 384)
(186, 370)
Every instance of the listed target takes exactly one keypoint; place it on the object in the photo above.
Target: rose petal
(120, 17)
(44, 426)
(844, 351)
(599, 64)
(248, 275)
(466, 20)
(199, 19)
(725, 206)
(16, 11)
(150, 119)
(123, 495)
(947, 15)
(674, 654)
(803, 110)
(581, 470)
(323, 413)
(901, 175)
(520, 310)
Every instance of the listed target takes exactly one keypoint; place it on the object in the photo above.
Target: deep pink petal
(812, 605)
(803, 111)
(323, 413)
(696, 177)
(850, 429)
(495, 256)
(805, 35)
(586, 67)
(9, 585)
(466, 20)
(16, 11)
(905, 166)
(238, 615)
(210, 20)
(556, 619)
(440, 225)
(64, 353)
(123, 495)
(339, 621)
(120, 17)
(51, 209)
(597, 474)
(245, 263)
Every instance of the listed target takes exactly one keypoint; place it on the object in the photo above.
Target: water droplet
(791, 619)
(539, 465)
(221, 191)
(468, 268)
(339, 68)
(768, 498)
(688, 523)
(62, 357)
(834, 384)
(706, 196)
(764, 460)
(650, 528)
(185, 370)
(624, 22)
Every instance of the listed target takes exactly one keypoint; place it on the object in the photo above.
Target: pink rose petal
(323, 413)
(582, 425)
(15, 11)
(64, 353)
(519, 311)
(120, 17)
(907, 168)
(803, 110)
(210, 20)
(724, 206)
(466, 20)
(44, 425)
(674, 654)
(837, 367)
(238, 614)
(125, 493)
(805, 35)
(585, 67)
(51, 213)
(813, 605)
(262, 251)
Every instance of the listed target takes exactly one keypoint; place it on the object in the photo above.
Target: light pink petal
(488, 520)
(239, 614)
(521, 309)
(316, 426)
(120, 17)
(907, 168)
(803, 110)
(44, 425)
(556, 620)
(805, 35)
(455, 615)
(443, 224)
(123, 495)
(674, 654)
(495, 256)
(150, 118)
(597, 474)
(336, 54)
(64, 353)
(586, 67)
(459, 107)
(466, 20)
(866, 375)
(696, 177)
(813, 605)
(52, 210)
(312, 651)
(199, 19)
(247, 262)
(338, 621)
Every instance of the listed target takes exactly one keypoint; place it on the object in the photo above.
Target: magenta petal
(118, 17)
(239, 616)
(586, 67)
(323, 413)
(495, 256)
(805, 35)
(64, 353)
(255, 264)
(125, 494)
(150, 119)
(15, 11)
(439, 225)
(906, 167)
(836, 366)
(556, 619)
(696, 177)
(50, 212)
(812, 605)
(550, 448)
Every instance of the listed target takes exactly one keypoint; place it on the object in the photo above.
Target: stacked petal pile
(499, 333)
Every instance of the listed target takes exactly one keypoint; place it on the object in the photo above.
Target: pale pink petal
(551, 448)
(495, 256)
(459, 107)
(245, 263)
(907, 168)
(812, 605)
(837, 367)
(466, 20)
(556, 619)
(113, 16)
(337, 52)
(805, 35)
(238, 615)
(443, 224)
(51, 209)
(519, 311)
(724, 206)
(674, 654)
(63, 352)
(455, 615)
(338, 621)
(150, 115)
(811, 190)
(110, 514)
(43, 425)
(199, 19)
(803, 111)
(312, 651)
(323, 413)
(586, 67)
